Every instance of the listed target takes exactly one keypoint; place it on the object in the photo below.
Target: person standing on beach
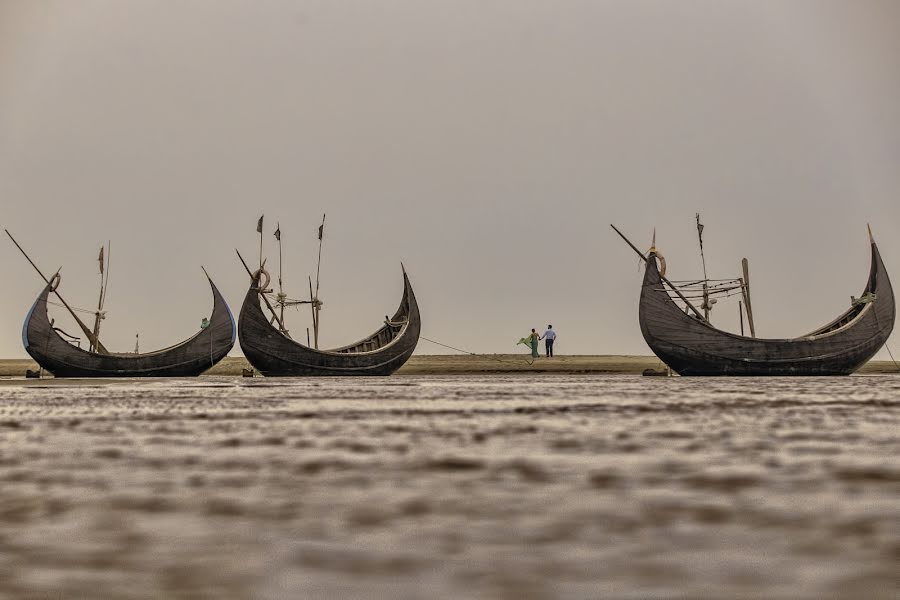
(549, 337)
(535, 338)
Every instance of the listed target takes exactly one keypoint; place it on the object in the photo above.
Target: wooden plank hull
(275, 355)
(187, 359)
(692, 347)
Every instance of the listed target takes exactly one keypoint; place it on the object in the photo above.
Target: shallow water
(424, 487)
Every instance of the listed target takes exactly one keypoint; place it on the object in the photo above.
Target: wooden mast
(705, 305)
(84, 328)
(317, 306)
(281, 296)
(312, 306)
(745, 291)
(104, 281)
(259, 228)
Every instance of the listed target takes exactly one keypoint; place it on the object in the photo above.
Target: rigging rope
(81, 310)
(891, 354)
(529, 362)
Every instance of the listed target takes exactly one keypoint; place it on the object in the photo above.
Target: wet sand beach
(424, 364)
(485, 486)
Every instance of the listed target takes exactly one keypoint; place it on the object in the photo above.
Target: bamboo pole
(84, 328)
(98, 316)
(745, 267)
(280, 286)
(315, 318)
(674, 289)
(741, 315)
(259, 229)
(705, 305)
(317, 305)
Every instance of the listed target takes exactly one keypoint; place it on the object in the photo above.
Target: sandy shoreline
(481, 364)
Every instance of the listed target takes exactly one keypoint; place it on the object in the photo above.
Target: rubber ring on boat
(258, 276)
(662, 261)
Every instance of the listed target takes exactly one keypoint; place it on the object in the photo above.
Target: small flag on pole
(259, 225)
(321, 229)
(278, 232)
(700, 230)
(100, 258)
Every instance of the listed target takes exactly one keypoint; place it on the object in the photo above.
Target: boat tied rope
(891, 354)
(488, 356)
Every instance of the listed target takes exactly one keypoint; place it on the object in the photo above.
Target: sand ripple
(494, 487)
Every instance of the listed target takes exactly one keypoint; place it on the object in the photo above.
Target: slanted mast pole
(745, 290)
(84, 328)
(103, 259)
(259, 290)
(669, 283)
(705, 306)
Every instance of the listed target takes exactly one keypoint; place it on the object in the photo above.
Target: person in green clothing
(534, 338)
(531, 341)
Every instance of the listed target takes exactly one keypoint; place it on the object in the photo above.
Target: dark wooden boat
(691, 346)
(272, 353)
(187, 359)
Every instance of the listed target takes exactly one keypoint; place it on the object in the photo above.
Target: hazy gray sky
(487, 144)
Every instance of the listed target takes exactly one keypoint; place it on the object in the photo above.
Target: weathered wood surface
(187, 359)
(382, 353)
(691, 347)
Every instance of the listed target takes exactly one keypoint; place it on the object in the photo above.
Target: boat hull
(187, 359)
(692, 347)
(275, 355)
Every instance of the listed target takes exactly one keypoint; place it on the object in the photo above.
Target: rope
(529, 362)
(891, 354)
(81, 310)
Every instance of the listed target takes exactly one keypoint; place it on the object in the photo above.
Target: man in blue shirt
(548, 337)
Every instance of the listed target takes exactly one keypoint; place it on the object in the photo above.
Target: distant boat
(690, 345)
(188, 359)
(272, 353)
(52, 349)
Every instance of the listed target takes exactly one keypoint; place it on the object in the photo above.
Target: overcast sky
(487, 144)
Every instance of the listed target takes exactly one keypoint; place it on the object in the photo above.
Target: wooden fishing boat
(189, 358)
(690, 345)
(273, 353)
